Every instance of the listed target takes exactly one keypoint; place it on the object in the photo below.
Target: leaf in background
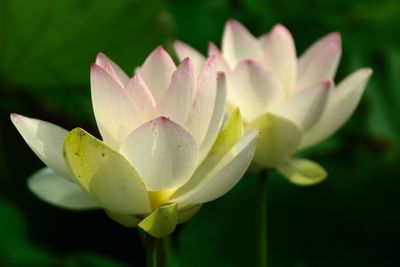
(47, 42)
(15, 247)
(385, 97)
(91, 260)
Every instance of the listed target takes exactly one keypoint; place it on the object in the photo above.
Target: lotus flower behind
(163, 153)
(292, 101)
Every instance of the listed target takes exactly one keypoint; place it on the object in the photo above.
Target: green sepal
(161, 222)
(302, 172)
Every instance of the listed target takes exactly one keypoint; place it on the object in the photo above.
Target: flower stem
(156, 255)
(150, 251)
(262, 218)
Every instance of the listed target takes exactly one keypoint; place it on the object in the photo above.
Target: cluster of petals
(165, 143)
(292, 100)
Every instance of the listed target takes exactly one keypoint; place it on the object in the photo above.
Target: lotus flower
(163, 152)
(292, 101)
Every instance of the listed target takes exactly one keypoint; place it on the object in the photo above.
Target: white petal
(46, 140)
(164, 154)
(141, 97)
(58, 191)
(177, 100)
(217, 117)
(224, 176)
(112, 69)
(305, 107)
(115, 113)
(222, 65)
(341, 104)
(157, 71)
(105, 174)
(200, 116)
(183, 51)
(280, 56)
(238, 44)
(254, 89)
(320, 61)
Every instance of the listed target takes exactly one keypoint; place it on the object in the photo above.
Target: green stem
(156, 255)
(162, 257)
(262, 218)
(150, 251)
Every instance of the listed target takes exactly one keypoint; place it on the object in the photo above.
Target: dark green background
(351, 219)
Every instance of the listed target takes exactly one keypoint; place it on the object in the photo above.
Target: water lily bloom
(292, 101)
(163, 151)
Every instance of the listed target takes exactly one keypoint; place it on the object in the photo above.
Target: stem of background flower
(156, 255)
(262, 218)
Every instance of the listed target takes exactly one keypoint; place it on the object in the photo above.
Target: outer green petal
(105, 174)
(124, 220)
(278, 139)
(229, 136)
(302, 172)
(161, 222)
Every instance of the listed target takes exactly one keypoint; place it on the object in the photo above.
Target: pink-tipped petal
(342, 102)
(111, 68)
(115, 113)
(163, 153)
(200, 116)
(141, 97)
(177, 100)
(222, 65)
(239, 44)
(320, 61)
(280, 56)
(183, 51)
(304, 108)
(46, 140)
(157, 71)
(254, 89)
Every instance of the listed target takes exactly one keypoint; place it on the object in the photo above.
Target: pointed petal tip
(14, 116)
(335, 40)
(187, 62)
(280, 27)
(368, 72)
(101, 55)
(178, 43)
(160, 49)
(212, 49)
(232, 22)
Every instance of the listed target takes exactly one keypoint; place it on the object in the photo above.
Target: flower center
(159, 198)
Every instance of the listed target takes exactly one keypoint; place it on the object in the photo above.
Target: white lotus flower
(293, 101)
(163, 153)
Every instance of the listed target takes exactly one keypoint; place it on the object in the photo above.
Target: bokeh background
(351, 219)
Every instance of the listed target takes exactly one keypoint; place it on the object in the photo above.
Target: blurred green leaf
(47, 42)
(92, 260)
(15, 248)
